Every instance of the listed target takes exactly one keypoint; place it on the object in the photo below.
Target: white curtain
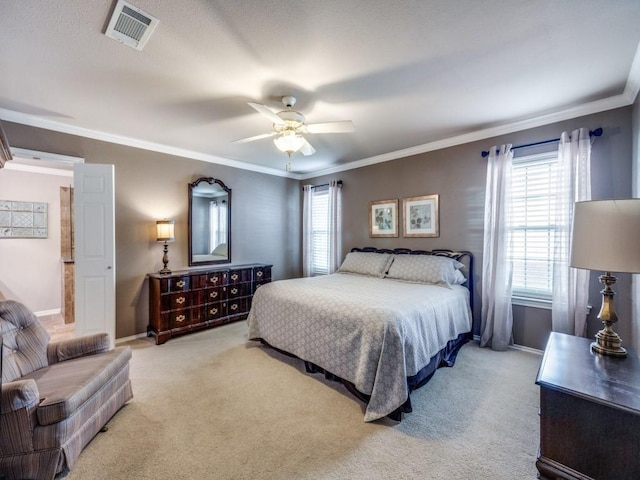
(307, 231)
(497, 315)
(335, 225)
(217, 223)
(570, 285)
(213, 225)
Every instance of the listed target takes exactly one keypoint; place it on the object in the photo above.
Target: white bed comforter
(372, 332)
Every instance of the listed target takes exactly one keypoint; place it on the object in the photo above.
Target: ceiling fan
(289, 127)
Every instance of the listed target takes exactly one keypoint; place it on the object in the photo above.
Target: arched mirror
(209, 222)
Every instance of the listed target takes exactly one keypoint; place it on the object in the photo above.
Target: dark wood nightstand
(589, 412)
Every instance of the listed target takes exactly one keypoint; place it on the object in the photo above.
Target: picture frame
(383, 218)
(421, 216)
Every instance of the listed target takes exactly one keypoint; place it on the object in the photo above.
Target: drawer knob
(259, 273)
(213, 279)
(234, 291)
(234, 276)
(180, 318)
(213, 294)
(234, 306)
(213, 311)
(180, 300)
(181, 283)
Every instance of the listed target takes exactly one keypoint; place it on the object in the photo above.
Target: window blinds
(320, 231)
(533, 227)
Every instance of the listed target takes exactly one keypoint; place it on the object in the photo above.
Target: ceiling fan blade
(256, 137)
(345, 126)
(307, 149)
(267, 112)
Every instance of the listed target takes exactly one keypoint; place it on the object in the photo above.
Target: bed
(381, 325)
(219, 254)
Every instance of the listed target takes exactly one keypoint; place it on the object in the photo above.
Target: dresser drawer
(262, 274)
(214, 311)
(212, 295)
(206, 296)
(238, 290)
(239, 306)
(174, 301)
(178, 318)
(216, 279)
(240, 276)
(177, 284)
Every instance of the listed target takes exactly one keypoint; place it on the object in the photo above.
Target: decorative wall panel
(23, 219)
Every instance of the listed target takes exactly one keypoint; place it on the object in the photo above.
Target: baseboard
(44, 313)
(522, 348)
(130, 338)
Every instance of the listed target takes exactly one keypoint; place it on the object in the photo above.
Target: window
(320, 231)
(533, 194)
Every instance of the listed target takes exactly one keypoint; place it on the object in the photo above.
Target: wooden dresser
(189, 300)
(589, 412)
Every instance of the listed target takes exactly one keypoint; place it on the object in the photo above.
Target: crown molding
(586, 109)
(39, 122)
(36, 169)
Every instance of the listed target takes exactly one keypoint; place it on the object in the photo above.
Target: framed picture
(421, 216)
(383, 218)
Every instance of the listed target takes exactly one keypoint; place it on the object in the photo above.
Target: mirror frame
(210, 181)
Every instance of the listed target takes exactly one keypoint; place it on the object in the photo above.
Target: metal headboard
(462, 256)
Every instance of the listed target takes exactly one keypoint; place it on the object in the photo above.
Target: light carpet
(212, 405)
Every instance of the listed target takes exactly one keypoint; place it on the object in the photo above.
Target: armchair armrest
(77, 347)
(19, 394)
(20, 400)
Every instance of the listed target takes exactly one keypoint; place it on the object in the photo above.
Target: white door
(94, 237)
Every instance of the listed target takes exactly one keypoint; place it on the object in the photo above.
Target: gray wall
(458, 175)
(151, 186)
(266, 209)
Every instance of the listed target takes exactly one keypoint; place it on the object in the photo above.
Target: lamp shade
(606, 235)
(164, 229)
(289, 142)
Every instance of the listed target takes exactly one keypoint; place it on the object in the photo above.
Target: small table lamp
(606, 237)
(165, 234)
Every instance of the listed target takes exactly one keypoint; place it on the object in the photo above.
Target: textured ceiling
(409, 74)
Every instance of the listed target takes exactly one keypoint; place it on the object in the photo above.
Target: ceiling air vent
(130, 25)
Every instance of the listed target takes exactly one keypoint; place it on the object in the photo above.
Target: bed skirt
(444, 358)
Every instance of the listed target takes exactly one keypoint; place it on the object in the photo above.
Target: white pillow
(221, 250)
(432, 269)
(459, 278)
(366, 263)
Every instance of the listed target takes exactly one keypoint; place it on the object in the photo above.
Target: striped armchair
(56, 396)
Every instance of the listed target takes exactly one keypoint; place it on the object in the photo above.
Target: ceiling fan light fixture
(289, 142)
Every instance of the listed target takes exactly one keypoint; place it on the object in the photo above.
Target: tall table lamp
(164, 229)
(606, 237)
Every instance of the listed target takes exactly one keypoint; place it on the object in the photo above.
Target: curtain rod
(339, 182)
(592, 133)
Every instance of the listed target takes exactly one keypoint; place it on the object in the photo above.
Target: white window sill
(536, 302)
(531, 302)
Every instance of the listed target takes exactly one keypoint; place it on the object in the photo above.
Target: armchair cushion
(63, 350)
(65, 386)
